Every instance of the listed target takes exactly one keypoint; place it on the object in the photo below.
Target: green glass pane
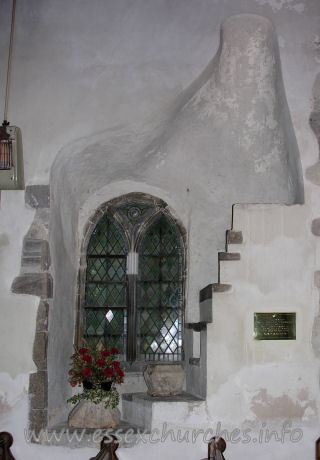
(159, 331)
(115, 330)
(108, 295)
(93, 341)
(150, 268)
(169, 242)
(151, 243)
(170, 268)
(96, 269)
(116, 269)
(107, 238)
(171, 295)
(150, 322)
(159, 316)
(95, 322)
(149, 294)
(106, 269)
(106, 328)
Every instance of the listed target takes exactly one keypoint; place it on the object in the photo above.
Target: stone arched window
(132, 283)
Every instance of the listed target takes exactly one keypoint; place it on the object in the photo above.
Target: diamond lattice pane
(171, 295)
(106, 295)
(150, 268)
(107, 327)
(159, 305)
(106, 269)
(107, 238)
(151, 243)
(160, 332)
(95, 320)
(170, 268)
(106, 286)
(149, 294)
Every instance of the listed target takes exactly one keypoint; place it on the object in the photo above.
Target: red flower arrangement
(96, 367)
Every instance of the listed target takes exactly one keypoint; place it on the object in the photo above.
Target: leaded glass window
(134, 283)
(159, 306)
(106, 287)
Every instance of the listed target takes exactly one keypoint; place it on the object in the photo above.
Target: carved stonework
(38, 196)
(34, 279)
(39, 284)
(89, 415)
(164, 379)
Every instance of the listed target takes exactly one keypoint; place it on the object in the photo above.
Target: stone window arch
(131, 281)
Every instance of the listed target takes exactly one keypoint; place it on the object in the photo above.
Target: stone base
(88, 415)
(164, 379)
(142, 409)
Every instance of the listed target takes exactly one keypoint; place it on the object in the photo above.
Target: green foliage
(97, 395)
(96, 367)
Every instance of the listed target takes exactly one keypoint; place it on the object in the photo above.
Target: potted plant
(97, 371)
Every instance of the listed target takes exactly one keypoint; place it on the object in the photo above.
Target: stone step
(206, 299)
(229, 256)
(35, 252)
(230, 271)
(234, 237)
(207, 292)
(138, 408)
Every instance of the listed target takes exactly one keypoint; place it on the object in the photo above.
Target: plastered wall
(87, 72)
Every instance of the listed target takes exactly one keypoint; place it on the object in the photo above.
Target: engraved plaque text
(274, 326)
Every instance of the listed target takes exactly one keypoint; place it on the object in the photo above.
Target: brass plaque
(274, 326)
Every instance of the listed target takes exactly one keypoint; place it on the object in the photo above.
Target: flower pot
(164, 379)
(87, 385)
(106, 386)
(89, 415)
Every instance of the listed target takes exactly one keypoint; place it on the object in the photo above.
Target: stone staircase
(206, 294)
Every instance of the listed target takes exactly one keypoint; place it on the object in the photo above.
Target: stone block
(39, 355)
(35, 253)
(39, 284)
(234, 237)
(42, 317)
(198, 327)
(89, 415)
(207, 292)
(38, 390)
(138, 410)
(229, 255)
(164, 379)
(205, 308)
(38, 196)
(37, 420)
(40, 226)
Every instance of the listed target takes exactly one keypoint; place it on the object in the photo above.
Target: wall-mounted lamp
(11, 157)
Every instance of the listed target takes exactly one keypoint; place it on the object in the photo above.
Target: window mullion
(132, 276)
(132, 290)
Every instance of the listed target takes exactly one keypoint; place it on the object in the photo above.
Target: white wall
(81, 67)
